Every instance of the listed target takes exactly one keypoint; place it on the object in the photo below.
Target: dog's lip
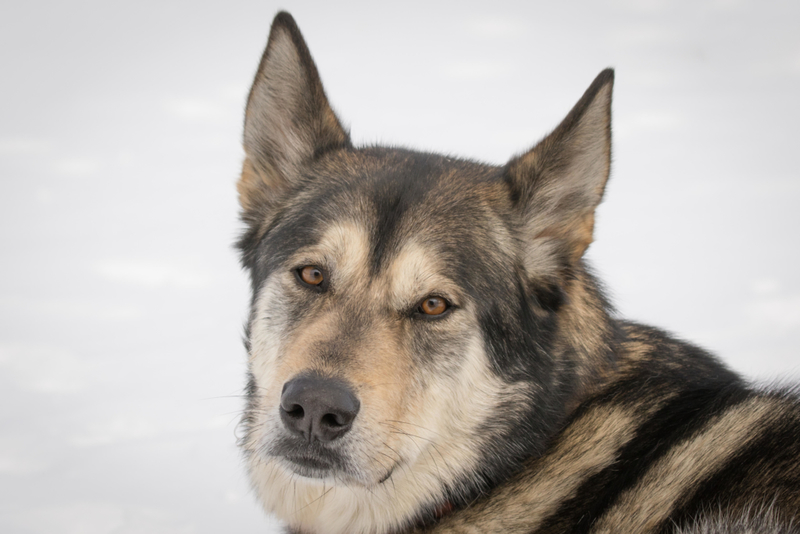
(309, 462)
(313, 467)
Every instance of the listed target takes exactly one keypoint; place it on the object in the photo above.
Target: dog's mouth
(318, 462)
(309, 466)
(313, 467)
(310, 460)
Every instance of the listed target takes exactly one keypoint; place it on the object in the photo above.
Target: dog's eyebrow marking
(416, 272)
(343, 248)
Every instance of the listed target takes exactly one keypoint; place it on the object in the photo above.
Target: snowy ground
(121, 299)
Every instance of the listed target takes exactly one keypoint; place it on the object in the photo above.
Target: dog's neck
(588, 336)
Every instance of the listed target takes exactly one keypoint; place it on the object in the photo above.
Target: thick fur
(528, 406)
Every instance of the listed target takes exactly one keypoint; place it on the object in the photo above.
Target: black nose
(318, 408)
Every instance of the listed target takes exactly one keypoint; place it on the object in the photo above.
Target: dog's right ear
(557, 185)
(288, 120)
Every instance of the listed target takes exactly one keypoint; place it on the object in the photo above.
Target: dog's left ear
(558, 184)
(288, 120)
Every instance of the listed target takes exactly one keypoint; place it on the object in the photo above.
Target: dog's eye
(433, 306)
(311, 275)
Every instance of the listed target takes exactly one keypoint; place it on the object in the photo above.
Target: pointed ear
(557, 185)
(288, 121)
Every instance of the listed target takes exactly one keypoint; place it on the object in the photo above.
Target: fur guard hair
(429, 352)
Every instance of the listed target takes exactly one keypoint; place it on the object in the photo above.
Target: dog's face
(368, 358)
(404, 330)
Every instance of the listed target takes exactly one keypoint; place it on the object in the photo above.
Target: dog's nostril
(295, 411)
(332, 420)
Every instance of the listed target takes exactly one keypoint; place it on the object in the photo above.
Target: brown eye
(433, 306)
(311, 275)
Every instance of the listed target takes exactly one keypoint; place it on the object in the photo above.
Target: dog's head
(407, 339)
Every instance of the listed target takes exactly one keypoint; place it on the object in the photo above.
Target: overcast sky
(121, 298)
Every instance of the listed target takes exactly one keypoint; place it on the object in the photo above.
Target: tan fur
(428, 458)
(571, 167)
(414, 274)
(754, 518)
(500, 412)
(589, 445)
(344, 248)
(583, 336)
(251, 186)
(429, 434)
(644, 506)
(277, 145)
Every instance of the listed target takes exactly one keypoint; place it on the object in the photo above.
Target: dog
(429, 352)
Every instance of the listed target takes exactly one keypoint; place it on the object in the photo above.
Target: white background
(121, 298)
